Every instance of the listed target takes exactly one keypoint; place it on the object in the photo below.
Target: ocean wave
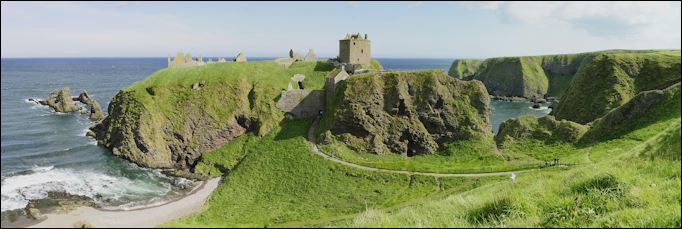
(42, 168)
(102, 188)
(36, 106)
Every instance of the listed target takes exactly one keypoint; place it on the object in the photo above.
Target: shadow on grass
(323, 66)
(293, 128)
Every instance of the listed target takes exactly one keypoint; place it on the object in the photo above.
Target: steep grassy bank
(612, 79)
(628, 188)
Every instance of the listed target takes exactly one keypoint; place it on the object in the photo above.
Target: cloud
(635, 20)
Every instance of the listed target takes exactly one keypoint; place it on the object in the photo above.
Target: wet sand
(142, 217)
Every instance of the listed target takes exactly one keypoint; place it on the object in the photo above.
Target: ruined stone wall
(301, 103)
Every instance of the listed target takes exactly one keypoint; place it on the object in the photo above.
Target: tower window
(362, 51)
(353, 43)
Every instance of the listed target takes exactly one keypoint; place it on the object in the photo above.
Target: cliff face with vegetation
(536, 76)
(406, 112)
(170, 118)
(521, 77)
(610, 80)
(464, 68)
(642, 110)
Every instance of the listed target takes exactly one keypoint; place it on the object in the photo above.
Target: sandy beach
(143, 217)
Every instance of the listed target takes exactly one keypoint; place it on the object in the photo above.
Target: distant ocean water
(45, 151)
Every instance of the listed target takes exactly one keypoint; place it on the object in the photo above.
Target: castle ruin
(185, 60)
(355, 49)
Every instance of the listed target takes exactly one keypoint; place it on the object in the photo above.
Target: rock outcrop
(174, 127)
(408, 113)
(546, 129)
(96, 113)
(61, 101)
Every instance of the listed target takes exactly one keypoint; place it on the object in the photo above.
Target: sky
(397, 29)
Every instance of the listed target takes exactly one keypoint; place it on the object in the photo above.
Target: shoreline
(145, 216)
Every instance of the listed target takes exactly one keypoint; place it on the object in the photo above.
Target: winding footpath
(313, 145)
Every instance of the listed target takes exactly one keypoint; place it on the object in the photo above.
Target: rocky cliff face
(408, 113)
(142, 135)
(169, 119)
(610, 80)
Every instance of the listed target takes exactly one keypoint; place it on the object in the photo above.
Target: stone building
(355, 49)
(332, 80)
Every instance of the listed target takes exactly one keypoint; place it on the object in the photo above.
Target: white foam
(540, 109)
(35, 104)
(85, 131)
(18, 190)
(42, 169)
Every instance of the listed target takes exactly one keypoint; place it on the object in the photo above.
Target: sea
(44, 151)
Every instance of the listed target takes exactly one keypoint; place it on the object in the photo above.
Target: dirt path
(143, 217)
(313, 145)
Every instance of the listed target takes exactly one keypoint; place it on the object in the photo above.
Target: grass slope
(280, 181)
(464, 68)
(624, 190)
(610, 80)
(226, 86)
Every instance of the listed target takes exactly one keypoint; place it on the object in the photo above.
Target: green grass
(622, 190)
(464, 68)
(280, 181)
(611, 79)
(558, 84)
(466, 156)
(227, 90)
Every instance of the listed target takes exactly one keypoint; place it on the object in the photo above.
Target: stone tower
(355, 49)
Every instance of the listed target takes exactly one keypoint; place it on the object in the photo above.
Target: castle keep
(354, 49)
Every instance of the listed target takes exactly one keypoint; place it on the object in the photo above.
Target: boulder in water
(61, 101)
(96, 113)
